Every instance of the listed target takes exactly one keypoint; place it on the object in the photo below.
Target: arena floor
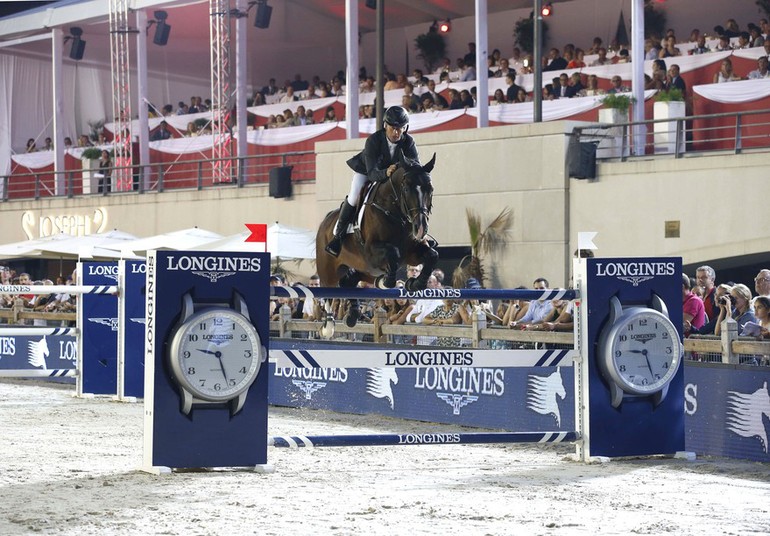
(69, 466)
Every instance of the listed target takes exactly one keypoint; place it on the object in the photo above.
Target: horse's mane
(414, 170)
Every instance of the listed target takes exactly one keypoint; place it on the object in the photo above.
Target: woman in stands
(737, 305)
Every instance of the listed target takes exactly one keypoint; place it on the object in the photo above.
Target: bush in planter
(431, 47)
(618, 102)
(92, 153)
(669, 95)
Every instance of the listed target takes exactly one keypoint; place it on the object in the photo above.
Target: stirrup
(334, 247)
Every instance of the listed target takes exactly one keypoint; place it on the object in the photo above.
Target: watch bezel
(175, 355)
(610, 341)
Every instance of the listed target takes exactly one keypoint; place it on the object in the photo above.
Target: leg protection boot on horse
(347, 213)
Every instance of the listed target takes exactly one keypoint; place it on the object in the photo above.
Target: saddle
(367, 192)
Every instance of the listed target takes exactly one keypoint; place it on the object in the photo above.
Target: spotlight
(445, 26)
(263, 14)
(547, 9)
(78, 45)
(162, 29)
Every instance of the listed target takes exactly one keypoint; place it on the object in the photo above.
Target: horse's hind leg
(423, 254)
(350, 280)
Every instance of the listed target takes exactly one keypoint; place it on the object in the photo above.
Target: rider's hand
(391, 169)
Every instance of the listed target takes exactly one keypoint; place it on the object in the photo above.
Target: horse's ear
(427, 168)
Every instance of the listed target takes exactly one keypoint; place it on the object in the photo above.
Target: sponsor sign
(99, 330)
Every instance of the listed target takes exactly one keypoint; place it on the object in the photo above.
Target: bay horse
(393, 231)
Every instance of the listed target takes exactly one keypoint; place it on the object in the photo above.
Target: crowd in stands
(44, 303)
(705, 305)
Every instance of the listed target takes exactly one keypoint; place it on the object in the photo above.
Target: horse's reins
(406, 215)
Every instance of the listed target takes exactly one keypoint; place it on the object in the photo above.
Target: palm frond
(497, 234)
(474, 229)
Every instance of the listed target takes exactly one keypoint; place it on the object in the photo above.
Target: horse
(393, 231)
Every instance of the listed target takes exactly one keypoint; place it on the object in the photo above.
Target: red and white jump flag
(258, 233)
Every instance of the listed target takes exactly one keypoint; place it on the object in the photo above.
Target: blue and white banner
(99, 330)
(38, 355)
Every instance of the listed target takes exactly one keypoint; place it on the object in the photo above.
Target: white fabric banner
(735, 92)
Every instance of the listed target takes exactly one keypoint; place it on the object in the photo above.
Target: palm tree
(492, 240)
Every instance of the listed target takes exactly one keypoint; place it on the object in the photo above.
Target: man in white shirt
(762, 69)
(538, 310)
(762, 282)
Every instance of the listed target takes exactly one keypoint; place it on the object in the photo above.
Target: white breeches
(355, 188)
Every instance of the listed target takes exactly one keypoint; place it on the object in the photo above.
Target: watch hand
(216, 354)
(222, 366)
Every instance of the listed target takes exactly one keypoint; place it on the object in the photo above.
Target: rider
(383, 151)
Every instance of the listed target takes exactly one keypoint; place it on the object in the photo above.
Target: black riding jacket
(375, 159)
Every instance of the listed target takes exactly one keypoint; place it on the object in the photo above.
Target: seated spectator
(454, 100)
(48, 145)
(755, 36)
(446, 312)
(537, 310)
(548, 93)
(521, 96)
(602, 58)
(559, 319)
(650, 50)
(182, 109)
(67, 143)
(563, 86)
(368, 85)
(732, 29)
(554, 61)
(762, 312)
(725, 73)
(724, 44)
(505, 70)
(498, 98)
(575, 86)
(467, 71)
(83, 141)
(595, 46)
(669, 49)
(673, 80)
(467, 99)
(192, 129)
(622, 57)
(272, 122)
(391, 82)
(617, 86)
(577, 62)
(744, 41)
(330, 116)
(161, 133)
(700, 47)
(762, 69)
(410, 97)
(289, 96)
(258, 100)
(592, 89)
(695, 36)
(31, 147)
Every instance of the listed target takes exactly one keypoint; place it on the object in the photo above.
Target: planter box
(611, 141)
(665, 133)
(90, 175)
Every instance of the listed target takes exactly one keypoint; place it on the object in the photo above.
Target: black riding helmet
(396, 116)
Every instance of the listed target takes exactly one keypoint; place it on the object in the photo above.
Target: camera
(724, 300)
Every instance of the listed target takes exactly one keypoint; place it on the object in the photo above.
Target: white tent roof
(283, 241)
(182, 239)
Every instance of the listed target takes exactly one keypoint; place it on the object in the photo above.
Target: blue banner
(99, 330)
(532, 399)
(44, 355)
(133, 350)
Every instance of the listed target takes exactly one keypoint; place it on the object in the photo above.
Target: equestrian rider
(383, 151)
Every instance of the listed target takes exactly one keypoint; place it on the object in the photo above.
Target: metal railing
(156, 177)
(733, 132)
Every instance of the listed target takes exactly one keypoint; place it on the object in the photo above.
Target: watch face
(215, 354)
(644, 350)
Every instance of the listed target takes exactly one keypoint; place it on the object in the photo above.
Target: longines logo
(544, 393)
(429, 358)
(112, 322)
(308, 387)
(189, 263)
(110, 272)
(214, 276)
(457, 401)
(644, 338)
(634, 272)
(430, 293)
(747, 413)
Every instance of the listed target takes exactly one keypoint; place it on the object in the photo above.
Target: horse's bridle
(406, 215)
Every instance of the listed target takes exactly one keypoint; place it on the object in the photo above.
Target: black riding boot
(347, 213)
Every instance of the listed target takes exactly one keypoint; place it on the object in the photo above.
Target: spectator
(466, 99)
(650, 50)
(67, 143)
(736, 305)
(732, 29)
(669, 49)
(505, 70)
(513, 89)
(288, 96)
(725, 73)
(555, 61)
(467, 71)
(105, 172)
(516, 62)
(498, 98)
(470, 57)
(521, 96)
(595, 46)
(31, 147)
(617, 86)
(762, 69)
(756, 38)
(575, 86)
(700, 47)
(724, 44)
(537, 311)
(548, 92)
(182, 109)
(762, 282)
(161, 133)
(693, 310)
(330, 116)
(410, 101)
(744, 41)
(48, 145)
(192, 130)
(562, 89)
(446, 312)
(706, 277)
(676, 81)
(592, 89)
(438, 100)
(602, 58)
(578, 62)
(762, 312)
(622, 57)
(270, 88)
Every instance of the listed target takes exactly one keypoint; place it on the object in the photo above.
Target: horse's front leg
(421, 253)
(385, 256)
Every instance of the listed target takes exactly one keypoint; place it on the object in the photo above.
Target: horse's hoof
(413, 284)
(384, 282)
(327, 328)
(351, 319)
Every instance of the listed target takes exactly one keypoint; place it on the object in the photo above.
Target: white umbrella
(282, 242)
(183, 239)
(89, 246)
(31, 248)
